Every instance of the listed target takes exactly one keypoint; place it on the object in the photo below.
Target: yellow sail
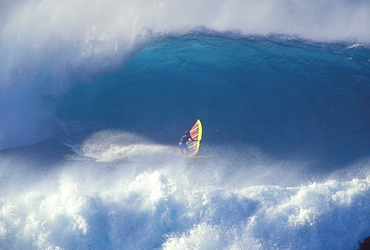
(195, 133)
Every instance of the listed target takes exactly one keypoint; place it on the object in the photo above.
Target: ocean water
(94, 96)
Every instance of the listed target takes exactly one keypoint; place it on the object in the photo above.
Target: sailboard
(195, 133)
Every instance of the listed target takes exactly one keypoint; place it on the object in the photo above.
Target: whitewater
(94, 96)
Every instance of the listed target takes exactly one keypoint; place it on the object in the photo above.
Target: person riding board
(183, 140)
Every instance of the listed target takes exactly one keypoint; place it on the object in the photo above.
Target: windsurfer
(183, 140)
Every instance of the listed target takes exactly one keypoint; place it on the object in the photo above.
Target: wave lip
(95, 22)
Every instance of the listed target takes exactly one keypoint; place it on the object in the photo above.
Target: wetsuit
(183, 140)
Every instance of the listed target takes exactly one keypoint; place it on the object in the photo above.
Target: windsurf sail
(195, 133)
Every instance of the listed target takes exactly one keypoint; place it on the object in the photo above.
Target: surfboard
(202, 156)
(196, 132)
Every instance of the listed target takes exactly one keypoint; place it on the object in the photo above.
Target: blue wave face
(286, 98)
(47, 47)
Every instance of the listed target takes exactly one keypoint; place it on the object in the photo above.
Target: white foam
(171, 205)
